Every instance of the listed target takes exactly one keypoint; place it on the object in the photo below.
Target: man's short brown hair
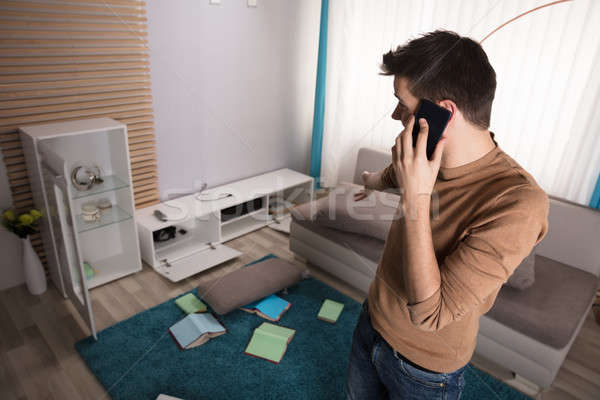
(444, 65)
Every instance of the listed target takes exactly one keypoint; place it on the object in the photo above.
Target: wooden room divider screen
(68, 60)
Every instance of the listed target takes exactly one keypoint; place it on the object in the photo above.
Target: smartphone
(437, 117)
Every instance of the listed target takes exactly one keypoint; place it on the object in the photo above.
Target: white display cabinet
(201, 226)
(108, 244)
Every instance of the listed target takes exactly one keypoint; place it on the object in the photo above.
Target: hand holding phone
(437, 118)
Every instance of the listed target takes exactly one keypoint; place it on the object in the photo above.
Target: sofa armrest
(371, 160)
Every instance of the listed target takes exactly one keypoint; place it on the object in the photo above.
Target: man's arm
(497, 242)
(421, 272)
(380, 180)
(480, 264)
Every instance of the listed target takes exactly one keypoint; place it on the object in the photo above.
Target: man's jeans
(378, 371)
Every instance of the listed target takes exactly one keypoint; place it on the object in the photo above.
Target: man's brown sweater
(486, 217)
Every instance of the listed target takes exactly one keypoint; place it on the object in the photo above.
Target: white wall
(11, 273)
(233, 91)
(233, 88)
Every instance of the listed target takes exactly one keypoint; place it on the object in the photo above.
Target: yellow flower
(35, 214)
(26, 219)
(9, 215)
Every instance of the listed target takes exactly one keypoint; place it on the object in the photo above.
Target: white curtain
(547, 63)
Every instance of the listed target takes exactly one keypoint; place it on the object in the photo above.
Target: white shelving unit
(208, 224)
(109, 244)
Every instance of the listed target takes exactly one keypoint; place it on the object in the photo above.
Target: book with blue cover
(271, 307)
(196, 329)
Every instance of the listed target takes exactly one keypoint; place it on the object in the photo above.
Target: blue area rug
(137, 358)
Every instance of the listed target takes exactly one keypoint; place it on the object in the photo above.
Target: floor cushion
(248, 284)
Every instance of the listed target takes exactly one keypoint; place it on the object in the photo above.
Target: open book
(270, 342)
(196, 329)
(330, 311)
(271, 307)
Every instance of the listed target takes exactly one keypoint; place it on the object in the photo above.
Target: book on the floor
(196, 329)
(191, 304)
(330, 311)
(270, 342)
(271, 307)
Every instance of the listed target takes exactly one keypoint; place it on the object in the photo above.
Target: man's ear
(450, 106)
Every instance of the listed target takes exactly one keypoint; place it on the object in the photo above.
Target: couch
(528, 331)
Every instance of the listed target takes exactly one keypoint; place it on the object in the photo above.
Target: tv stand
(210, 223)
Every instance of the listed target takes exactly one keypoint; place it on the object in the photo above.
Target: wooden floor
(38, 359)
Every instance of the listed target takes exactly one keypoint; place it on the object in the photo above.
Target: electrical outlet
(252, 3)
(214, 2)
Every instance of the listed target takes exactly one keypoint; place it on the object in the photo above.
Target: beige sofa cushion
(338, 210)
(551, 308)
(524, 275)
(366, 246)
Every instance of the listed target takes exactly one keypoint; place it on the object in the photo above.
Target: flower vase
(35, 277)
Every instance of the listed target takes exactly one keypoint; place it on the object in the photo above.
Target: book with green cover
(330, 311)
(269, 342)
(190, 304)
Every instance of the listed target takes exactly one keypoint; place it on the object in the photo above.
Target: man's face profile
(407, 103)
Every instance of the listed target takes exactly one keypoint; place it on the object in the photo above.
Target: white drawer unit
(192, 239)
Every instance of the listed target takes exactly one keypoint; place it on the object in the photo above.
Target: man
(466, 219)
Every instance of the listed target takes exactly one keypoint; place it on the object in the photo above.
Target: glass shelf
(111, 182)
(110, 216)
